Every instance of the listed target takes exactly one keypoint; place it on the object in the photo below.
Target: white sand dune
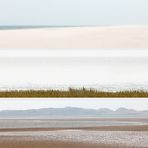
(76, 37)
(107, 70)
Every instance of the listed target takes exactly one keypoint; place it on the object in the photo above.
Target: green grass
(72, 93)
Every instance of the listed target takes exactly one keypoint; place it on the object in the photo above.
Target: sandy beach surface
(103, 137)
(76, 37)
(11, 143)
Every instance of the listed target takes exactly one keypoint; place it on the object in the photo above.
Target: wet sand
(74, 123)
(91, 137)
(76, 37)
(8, 143)
(142, 128)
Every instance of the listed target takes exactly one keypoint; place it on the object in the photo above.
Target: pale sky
(21, 104)
(73, 12)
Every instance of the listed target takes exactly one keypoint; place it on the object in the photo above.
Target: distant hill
(72, 112)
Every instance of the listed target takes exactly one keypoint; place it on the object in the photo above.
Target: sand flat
(91, 137)
(17, 143)
(138, 128)
(76, 37)
(137, 139)
(135, 124)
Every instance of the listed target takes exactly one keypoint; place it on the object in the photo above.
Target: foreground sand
(76, 37)
(8, 143)
(102, 137)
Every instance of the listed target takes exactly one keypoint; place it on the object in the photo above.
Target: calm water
(66, 123)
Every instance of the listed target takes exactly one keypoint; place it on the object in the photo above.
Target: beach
(117, 62)
(7, 143)
(75, 37)
(76, 138)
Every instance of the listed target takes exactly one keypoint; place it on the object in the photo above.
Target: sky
(73, 12)
(23, 104)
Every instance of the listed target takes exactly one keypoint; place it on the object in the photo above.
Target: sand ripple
(127, 138)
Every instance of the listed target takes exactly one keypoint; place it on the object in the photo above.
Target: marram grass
(72, 93)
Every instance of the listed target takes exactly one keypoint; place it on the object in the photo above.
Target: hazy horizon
(114, 104)
(74, 107)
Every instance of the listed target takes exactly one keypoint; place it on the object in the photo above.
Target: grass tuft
(72, 93)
